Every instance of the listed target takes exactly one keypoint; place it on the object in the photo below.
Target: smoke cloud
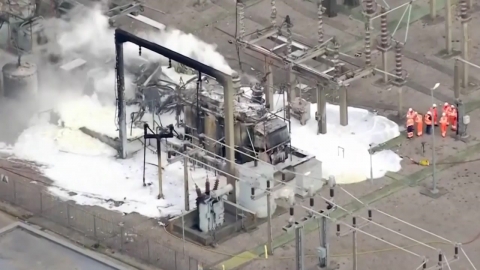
(87, 35)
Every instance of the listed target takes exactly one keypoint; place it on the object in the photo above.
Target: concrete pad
(427, 191)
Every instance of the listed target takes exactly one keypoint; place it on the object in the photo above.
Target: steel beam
(277, 57)
(310, 54)
(122, 36)
(357, 74)
(264, 34)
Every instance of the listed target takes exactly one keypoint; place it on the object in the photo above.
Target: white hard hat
(434, 105)
(429, 112)
(453, 106)
(410, 109)
(443, 114)
(446, 104)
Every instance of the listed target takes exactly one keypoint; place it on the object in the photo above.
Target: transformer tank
(257, 132)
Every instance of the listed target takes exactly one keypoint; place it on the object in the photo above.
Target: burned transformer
(258, 133)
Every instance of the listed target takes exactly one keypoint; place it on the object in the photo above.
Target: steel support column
(268, 88)
(299, 248)
(448, 27)
(343, 106)
(465, 19)
(324, 262)
(321, 113)
(121, 104)
(456, 79)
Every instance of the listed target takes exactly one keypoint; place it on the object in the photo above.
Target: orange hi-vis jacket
(418, 118)
(434, 113)
(428, 119)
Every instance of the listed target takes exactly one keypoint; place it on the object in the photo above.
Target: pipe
(122, 36)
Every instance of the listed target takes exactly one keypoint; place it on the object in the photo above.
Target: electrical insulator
(370, 214)
(456, 252)
(252, 191)
(440, 259)
(338, 229)
(425, 265)
(312, 202)
(354, 221)
(329, 206)
(332, 192)
(291, 211)
(268, 184)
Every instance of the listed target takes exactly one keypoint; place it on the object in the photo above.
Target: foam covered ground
(344, 150)
(81, 165)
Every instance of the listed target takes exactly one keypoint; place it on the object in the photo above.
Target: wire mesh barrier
(115, 236)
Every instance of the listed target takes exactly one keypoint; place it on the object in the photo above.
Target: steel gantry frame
(121, 37)
(295, 57)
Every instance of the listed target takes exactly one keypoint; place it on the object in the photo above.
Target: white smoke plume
(90, 32)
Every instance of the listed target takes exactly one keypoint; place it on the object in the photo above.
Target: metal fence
(115, 236)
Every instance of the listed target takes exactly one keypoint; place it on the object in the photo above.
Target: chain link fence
(34, 199)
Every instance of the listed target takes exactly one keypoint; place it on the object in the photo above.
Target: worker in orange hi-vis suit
(444, 124)
(419, 122)
(410, 113)
(428, 122)
(446, 110)
(452, 118)
(409, 124)
(434, 112)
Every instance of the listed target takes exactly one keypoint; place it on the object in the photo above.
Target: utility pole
(186, 192)
(160, 173)
(354, 234)
(163, 134)
(434, 192)
(448, 27)
(324, 249)
(433, 9)
(456, 79)
(465, 18)
(269, 218)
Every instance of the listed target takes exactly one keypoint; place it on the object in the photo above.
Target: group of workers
(415, 121)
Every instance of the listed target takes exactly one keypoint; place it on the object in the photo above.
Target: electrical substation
(235, 134)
